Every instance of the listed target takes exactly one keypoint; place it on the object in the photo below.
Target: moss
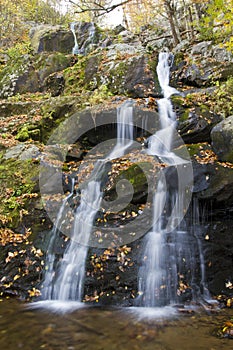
(23, 134)
(75, 76)
(195, 148)
(135, 174)
(178, 58)
(153, 62)
(18, 179)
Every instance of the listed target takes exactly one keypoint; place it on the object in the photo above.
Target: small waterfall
(124, 129)
(64, 280)
(168, 262)
(82, 47)
(71, 272)
(51, 257)
(75, 50)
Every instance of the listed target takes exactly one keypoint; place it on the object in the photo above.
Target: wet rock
(220, 189)
(219, 256)
(222, 139)
(87, 36)
(135, 176)
(212, 180)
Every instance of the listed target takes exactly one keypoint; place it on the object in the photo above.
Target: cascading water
(124, 130)
(64, 280)
(75, 50)
(83, 47)
(168, 261)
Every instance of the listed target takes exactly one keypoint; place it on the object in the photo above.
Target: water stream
(64, 280)
(81, 49)
(168, 261)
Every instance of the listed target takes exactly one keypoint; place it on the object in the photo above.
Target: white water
(167, 253)
(65, 280)
(88, 42)
(71, 273)
(50, 259)
(124, 130)
(75, 49)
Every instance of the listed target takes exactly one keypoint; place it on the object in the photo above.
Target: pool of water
(71, 326)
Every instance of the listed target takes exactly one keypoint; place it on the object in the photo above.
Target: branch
(98, 7)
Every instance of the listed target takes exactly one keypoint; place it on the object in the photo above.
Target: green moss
(135, 174)
(23, 134)
(153, 62)
(195, 148)
(178, 58)
(75, 76)
(18, 179)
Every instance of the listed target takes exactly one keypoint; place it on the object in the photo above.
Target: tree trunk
(170, 15)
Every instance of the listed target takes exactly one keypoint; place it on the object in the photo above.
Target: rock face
(209, 63)
(222, 139)
(51, 38)
(31, 76)
(87, 37)
(219, 254)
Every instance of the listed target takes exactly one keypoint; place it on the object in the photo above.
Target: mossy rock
(195, 121)
(136, 176)
(54, 111)
(18, 180)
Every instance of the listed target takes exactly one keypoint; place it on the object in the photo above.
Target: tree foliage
(15, 17)
(217, 23)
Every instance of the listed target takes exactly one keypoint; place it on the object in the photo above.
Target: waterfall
(88, 42)
(75, 50)
(71, 272)
(168, 262)
(64, 279)
(124, 129)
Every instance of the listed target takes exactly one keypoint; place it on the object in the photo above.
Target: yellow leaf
(16, 277)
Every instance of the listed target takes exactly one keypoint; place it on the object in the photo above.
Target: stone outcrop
(202, 65)
(222, 139)
(51, 38)
(30, 75)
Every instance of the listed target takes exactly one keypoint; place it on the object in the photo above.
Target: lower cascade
(169, 263)
(64, 280)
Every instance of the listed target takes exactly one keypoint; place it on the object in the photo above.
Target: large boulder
(213, 180)
(222, 139)
(218, 256)
(51, 38)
